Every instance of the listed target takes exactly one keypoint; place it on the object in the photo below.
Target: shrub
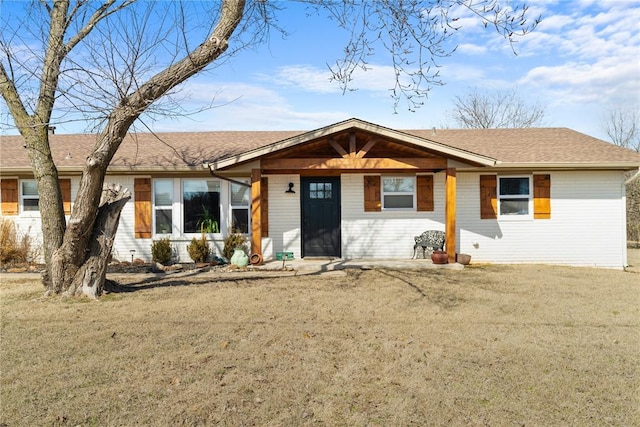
(15, 249)
(232, 241)
(198, 249)
(161, 251)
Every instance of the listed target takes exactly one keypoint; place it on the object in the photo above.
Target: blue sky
(583, 58)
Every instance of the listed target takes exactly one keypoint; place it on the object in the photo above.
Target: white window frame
(24, 197)
(156, 208)
(222, 201)
(396, 193)
(177, 208)
(247, 207)
(529, 197)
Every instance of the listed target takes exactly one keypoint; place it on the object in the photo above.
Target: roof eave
(570, 165)
(445, 150)
(111, 169)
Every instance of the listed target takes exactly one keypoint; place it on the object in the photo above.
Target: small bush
(161, 251)
(13, 248)
(199, 250)
(231, 242)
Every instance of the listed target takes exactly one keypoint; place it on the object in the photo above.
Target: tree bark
(89, 279)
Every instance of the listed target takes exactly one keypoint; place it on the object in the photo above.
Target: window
(240, 202)
(163, 205)
(320, 190)
(514, 196)
(398, 192)
(201, 206)
(30, 196)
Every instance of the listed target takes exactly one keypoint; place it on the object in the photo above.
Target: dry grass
(492, 345)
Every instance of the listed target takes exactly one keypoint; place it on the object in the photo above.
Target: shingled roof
(553, 147)
(532, 145)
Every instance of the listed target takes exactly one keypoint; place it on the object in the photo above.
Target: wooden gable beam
(368, 146)
(352, 145)
(338, 148)
(355, 163)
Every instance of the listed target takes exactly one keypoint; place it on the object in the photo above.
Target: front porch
(319, 265)
(379, 187)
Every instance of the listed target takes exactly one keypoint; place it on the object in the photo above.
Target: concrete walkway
(330, 264)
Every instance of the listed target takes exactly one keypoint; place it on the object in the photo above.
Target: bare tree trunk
(50, 197)
(89, 279)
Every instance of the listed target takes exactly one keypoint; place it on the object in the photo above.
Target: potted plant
(208, 224)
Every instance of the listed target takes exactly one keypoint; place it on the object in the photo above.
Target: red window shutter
(541, 196)
(65, 189)
(264, 206)
(425, 193)
(488, 197)
(9, 196)
(372, 202)
(142, 207)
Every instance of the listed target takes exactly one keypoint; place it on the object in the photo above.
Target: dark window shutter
(142, 207)
(372, 202)
(9, 196)
(541, 196)
(264, 206)
(65, 189)
(425, 193)
(488, 197)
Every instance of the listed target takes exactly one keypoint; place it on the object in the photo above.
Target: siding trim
(9, 196)
(372, 193)
(142, 208)
(541, 196)
(65, 190)
(425, 193)
(488, 197)
(264, 205)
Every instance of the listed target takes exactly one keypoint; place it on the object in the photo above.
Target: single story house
(355, 189)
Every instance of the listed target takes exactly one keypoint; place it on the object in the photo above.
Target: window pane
(403, 201)
(514, 186)
(30, 205)
(397, 185)
(201, 185)
(163, 192)
(201, 206)
(320, 190)
(29, 188)
(240, 220)
(514, 207)
(163, 221)
(239, 195)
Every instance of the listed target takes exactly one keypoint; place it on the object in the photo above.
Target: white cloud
(247, 107)
(471, 49)
(376, 78)
(305, 77)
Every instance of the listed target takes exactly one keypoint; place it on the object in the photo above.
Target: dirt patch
(490, 345)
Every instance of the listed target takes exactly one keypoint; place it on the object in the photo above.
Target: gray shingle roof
(185, 150)
(531, 145)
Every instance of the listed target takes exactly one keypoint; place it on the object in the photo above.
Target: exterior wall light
(290, 190)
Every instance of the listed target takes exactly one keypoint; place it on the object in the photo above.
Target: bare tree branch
(499, 109)
(622, 127)
(415, 34)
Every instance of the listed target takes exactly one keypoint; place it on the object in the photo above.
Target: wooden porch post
(450, 220)
(256, 211)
